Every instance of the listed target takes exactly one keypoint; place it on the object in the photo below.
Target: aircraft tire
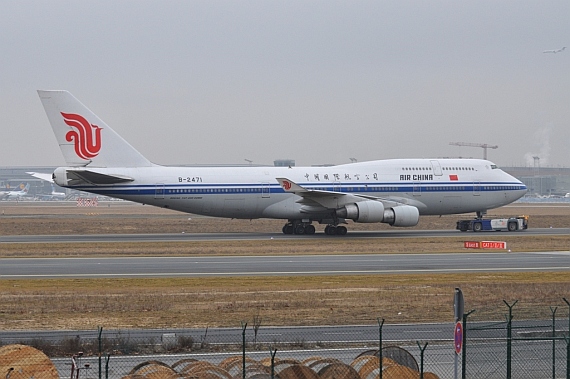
(300, 229)
(288, 229)
(341, 230)
(309, 229)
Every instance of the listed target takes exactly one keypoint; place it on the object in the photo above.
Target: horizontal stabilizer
(75, 177)
(39, 175)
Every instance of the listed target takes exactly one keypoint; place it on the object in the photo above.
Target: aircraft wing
(76, 177)
(332, 199)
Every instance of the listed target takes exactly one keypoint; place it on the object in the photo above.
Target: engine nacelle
(374, 211)
(403, 215)
(363, 211)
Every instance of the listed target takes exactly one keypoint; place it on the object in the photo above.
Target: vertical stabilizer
(84, 139)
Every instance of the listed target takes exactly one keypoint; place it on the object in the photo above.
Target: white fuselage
(435, 187)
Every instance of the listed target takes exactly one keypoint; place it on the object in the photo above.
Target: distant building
(284, 163)
(542, 181)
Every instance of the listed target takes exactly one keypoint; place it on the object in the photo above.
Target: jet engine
(402, 215)
(374, 211)
(364, 211)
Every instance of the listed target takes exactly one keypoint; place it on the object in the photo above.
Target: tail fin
(84, 139)
(26, 188)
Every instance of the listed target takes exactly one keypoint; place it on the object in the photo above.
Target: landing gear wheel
(330, 230)
(477, 227)
(309, 229)
(288, 229)
(300, 229)
(341, 230)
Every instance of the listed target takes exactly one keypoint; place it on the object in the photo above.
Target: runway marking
(287, 273)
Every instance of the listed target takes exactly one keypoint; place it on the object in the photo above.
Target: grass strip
(516, 243)
(322, 300)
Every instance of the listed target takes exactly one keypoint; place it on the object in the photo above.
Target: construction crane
(485, 146)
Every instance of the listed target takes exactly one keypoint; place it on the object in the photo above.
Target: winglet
(291, 186)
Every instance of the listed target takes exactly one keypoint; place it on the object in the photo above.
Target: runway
(181, 237)
(364, 264)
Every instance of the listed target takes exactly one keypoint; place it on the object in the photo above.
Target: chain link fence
(514, 347)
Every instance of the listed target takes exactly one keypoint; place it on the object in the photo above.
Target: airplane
(17, 194)
(57, 195)
(53, 195)
(555, 51)
(393, 191)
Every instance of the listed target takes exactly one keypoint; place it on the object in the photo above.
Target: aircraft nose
(519, 192)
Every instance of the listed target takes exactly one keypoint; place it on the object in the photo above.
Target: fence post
(567, 342)
(273, 352)
(463, 352)
(107, 366)
(243, 327)
(100, 348)
(509, 337)
(553, 310)
(380, 325)
(422, 358)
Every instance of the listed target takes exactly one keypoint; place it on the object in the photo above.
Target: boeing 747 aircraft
(395, 191)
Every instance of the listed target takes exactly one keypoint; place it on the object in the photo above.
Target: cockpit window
(493, 167)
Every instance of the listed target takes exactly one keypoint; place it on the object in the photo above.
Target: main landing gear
(338, 230)
(298, 228)
(307, 228)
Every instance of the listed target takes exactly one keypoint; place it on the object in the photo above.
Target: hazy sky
(315, 81)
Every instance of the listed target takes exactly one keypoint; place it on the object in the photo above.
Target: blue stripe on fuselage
(211, 189)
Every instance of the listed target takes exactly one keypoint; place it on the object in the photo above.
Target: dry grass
(328, 300)
(189, 302)
(278, 247)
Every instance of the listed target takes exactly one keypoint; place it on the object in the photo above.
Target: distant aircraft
(17, 194)
(555, 51)
(57, 195)
(53, 195)
(392, 191)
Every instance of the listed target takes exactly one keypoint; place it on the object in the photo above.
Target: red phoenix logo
(286, 185)
(86, 137)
